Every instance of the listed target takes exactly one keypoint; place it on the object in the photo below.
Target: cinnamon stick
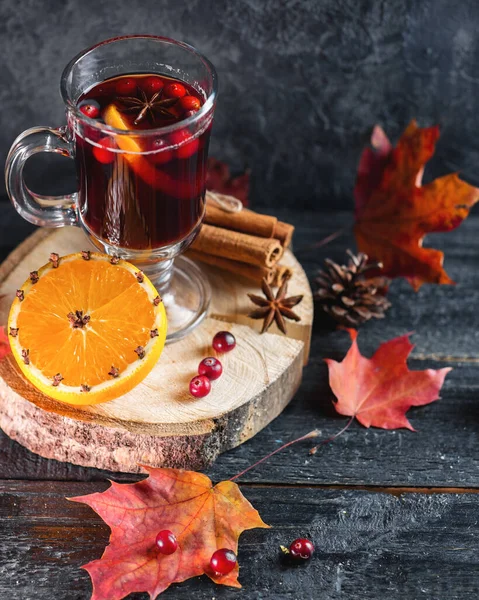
(284, 233)
(250, 249)
(274, 275)
(233, 266)
(281, 273)
(245, 221)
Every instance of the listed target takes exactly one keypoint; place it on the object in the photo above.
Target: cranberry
(166, 542)
(211, 368)
(152, 84)
(126, 86)
(302, 548)
(188, 145)
(200, 386)
(165, 154)
(190, 103)
(223, 561)
(90, 108)
(175, 90)
(93, 133)
(103, 90)
(102, 152)
(224, 341)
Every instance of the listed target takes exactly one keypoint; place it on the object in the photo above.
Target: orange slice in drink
(156, 178)
(87, 328)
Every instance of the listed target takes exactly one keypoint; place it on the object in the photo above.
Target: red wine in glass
(141, 191)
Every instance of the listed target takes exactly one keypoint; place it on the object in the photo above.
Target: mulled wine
(141, 191)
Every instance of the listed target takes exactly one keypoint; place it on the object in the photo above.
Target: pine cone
(348, 295)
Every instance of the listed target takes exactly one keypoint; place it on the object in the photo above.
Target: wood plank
(442, 453)
(369, 545)
(445, 317)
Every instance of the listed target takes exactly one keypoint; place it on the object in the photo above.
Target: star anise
(143, 106)
(273, 308)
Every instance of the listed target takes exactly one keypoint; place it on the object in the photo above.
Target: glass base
(186, 294)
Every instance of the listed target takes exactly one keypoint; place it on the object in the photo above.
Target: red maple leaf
(203, 517)
(219, 179)
(4, 344)
(394, 211)
(378, 391)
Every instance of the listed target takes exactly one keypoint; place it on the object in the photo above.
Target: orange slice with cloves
(87, 328)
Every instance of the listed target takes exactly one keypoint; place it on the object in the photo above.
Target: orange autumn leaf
(4, 343)
(378, 391)
(394, 211)
(203, 517)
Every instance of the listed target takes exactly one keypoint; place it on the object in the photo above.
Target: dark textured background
(301, 81)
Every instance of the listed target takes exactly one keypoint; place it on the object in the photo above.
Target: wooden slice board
(159, 423)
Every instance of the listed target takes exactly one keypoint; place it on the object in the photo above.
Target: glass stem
(160, 275)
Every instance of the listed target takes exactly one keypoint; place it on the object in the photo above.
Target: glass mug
(135, 207)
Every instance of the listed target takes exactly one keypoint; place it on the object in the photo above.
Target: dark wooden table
(392, 513)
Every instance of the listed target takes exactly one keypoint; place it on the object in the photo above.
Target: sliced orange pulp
(95, 358)
(156, 178)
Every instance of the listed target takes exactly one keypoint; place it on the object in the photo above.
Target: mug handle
(52, 211)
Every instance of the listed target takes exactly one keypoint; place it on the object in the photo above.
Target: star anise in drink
(156, 106)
